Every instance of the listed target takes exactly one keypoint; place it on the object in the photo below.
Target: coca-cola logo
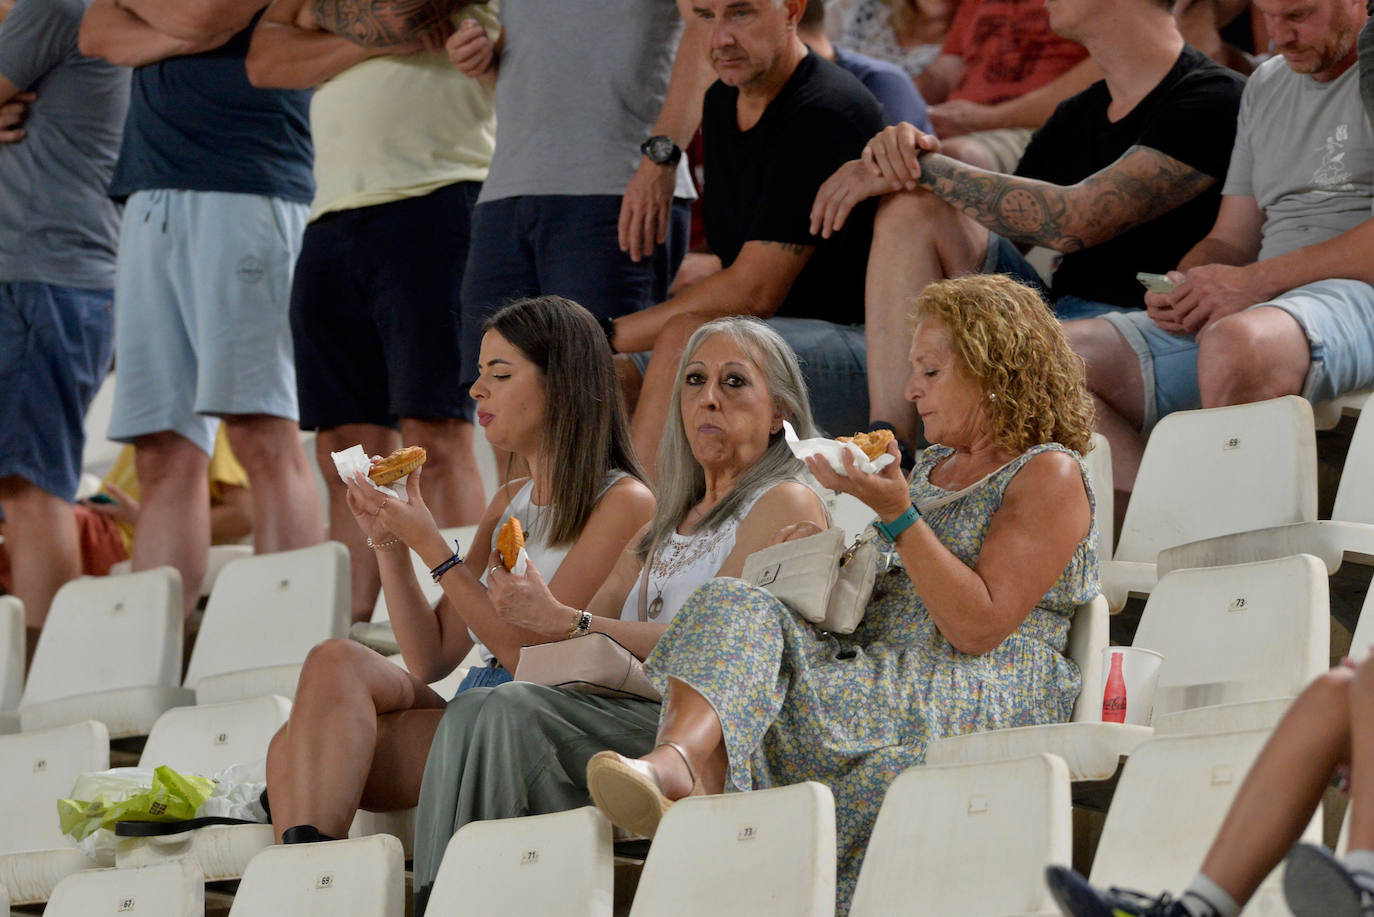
(1114, 704)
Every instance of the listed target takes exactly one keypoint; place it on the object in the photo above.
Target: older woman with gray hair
(729, 486)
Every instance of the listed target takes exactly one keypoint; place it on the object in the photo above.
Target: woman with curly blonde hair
(994, 546)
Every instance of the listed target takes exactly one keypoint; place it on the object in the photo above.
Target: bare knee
(261, 443)
(909, 212)
(333, 665)
(1326, 701)
(1251, 356)
(168, 460)
(448, 442)
(969, 151)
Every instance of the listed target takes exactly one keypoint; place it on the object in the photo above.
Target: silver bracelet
(383, 545)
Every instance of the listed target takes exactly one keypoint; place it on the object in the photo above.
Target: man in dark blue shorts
(57, 259)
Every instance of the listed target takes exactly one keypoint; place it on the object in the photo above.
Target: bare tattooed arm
(382, 23)
(1140, 186)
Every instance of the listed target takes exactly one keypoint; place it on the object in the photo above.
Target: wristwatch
(890, 530)
(661, 149)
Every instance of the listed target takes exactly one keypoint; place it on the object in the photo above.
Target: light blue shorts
(202, 292)
(1336, 315)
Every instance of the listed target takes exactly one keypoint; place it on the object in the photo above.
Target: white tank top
(681, 565)
(546, 558)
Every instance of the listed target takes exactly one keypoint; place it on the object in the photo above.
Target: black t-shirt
(195, 123)
(1190, 116)
(760, 183)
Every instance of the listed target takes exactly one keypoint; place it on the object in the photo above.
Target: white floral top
(868, 30)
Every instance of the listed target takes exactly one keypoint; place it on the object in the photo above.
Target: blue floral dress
(854, 711)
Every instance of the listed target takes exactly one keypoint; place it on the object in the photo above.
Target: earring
(992, 396)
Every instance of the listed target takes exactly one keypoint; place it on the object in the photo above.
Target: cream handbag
(818, 577)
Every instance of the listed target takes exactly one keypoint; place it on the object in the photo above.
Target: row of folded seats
(967, 839)
(1221, 537)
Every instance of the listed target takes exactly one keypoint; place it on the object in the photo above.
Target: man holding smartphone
(1276, 299)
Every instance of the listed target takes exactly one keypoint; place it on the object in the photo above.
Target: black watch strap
(661, 149)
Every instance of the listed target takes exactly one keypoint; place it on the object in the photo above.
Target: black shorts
(375, 311)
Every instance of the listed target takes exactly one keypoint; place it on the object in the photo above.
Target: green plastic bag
(126, 796)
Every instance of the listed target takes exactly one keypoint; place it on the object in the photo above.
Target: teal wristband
(890, 530)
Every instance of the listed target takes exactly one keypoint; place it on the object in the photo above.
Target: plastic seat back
(941, 826)
(172, 889)
(359, 877)
(1244, 632)
(1088, 636)
(39, 768)
(207, 738)
(1172, 797)
(1099, 462)
(1219, 471)
(1355, 493)
(11, 651)
(764, 852)
(432, 590)
(528, 867)
(109, 632)
(271, 609)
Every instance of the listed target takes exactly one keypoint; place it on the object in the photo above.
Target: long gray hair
(682, 483)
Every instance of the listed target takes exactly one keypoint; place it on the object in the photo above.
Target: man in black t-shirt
(1124, 177)
(776, 124)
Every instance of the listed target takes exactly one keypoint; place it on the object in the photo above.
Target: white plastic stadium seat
(39, 768)
(110, 651)
(220, 555)
(173, 889)
(940, 828)
(528, 867)
(1214, 472)
(1239, 643)
(1347, 535)
(11, 661)
(205, 740)
(264, 616)
(1326, 414)
(1099, 462)
(764, 852)
(1172, 797)
(363, 877)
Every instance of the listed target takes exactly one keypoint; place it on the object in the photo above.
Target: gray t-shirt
(1304, 151)
(580, 86)
(56, 224)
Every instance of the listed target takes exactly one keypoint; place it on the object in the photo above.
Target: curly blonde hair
(1006, 341)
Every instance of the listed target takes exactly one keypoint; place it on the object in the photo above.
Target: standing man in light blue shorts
(57, 264)
(1276, 299)
(216, 176)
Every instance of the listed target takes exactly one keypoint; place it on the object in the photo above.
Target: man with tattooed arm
(1276, 300)
(1123, 177)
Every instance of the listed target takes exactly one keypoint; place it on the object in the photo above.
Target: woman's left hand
(886, 492)
(525, 601)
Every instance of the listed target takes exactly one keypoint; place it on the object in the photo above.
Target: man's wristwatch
(661, 149)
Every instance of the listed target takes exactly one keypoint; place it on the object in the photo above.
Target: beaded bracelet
(449, 564)
(383, 545)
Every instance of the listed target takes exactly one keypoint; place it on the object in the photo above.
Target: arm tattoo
(381, 23)
(792, 248)
(1140, 186)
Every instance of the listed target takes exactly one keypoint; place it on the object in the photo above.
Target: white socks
(1205, 898)
(1361, 864)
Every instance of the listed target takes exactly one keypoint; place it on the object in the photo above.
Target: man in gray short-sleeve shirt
(57, 256)
(1276, 299)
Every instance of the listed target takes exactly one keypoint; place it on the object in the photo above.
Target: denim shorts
(1004, 257)
(563, 245)
(1337, 316)
(202, 289)
(834, 363)
(55, 348)
(484, 676)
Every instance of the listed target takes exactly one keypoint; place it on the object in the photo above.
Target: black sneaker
(1317, 884)
(1076, 898)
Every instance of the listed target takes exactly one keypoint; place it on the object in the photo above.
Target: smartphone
(103, 498)
(1155, 283)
